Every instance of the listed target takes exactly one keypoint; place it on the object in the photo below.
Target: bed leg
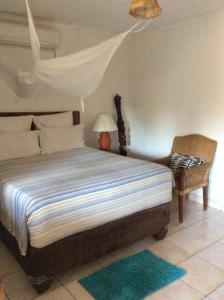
(41, 284)
(161, 234)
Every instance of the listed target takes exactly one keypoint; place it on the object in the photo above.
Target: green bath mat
(132, 278)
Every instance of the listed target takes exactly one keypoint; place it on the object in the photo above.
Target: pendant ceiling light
(145, 9)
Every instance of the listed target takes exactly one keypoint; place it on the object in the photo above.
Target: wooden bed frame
(41, 265)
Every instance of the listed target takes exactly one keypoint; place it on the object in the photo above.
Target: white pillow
(54, 121)
(60, 139)
(19, 144)
(14, 124)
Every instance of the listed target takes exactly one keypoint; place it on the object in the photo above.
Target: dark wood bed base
(41, 265)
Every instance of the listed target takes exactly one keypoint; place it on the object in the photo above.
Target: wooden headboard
(76, 115)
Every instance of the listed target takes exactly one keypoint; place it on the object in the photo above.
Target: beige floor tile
(176, 291)
(17, 286)
(76, 289)
(169, 251)
(174, 201)
(213, 255)
(173, 216)
(8, 264)
(187, 202)
(189, 240)
(113, 256)
(192, 203)
(58, 294)
(141, 245)
(172, 292)
(219, 217)
(150, 240)
(174, 227)
(197, 208)
(134, 251)
(201, 275)
(125, 252)
(211, 229)
(217, 294)
(78, 273)
(173, 207)
(189, 218)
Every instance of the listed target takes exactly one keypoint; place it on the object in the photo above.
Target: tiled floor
(197, 246)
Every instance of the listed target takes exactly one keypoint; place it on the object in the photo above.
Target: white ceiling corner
(111, 15)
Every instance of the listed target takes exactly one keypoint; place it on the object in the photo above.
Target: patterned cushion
(179, 162)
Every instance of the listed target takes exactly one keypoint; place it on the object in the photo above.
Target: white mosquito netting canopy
(77, 74)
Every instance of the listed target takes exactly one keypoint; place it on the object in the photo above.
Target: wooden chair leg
(205, 197)
(181, 208)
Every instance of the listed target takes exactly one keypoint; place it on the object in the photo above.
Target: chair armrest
(189, 177)
(162, 161)
(200, 170)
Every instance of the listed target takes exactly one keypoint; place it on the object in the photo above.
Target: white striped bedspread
(45, 198)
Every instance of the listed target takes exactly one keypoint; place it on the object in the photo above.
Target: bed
(83, 204)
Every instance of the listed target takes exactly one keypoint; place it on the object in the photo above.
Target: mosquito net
(77, 74)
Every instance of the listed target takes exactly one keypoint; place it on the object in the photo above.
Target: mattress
(45, 198)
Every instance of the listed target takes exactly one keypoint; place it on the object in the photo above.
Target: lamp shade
(104, 123)
(145, 9)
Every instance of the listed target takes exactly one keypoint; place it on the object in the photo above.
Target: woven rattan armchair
(191, 179)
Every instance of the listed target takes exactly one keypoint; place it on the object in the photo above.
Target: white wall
(73, 39)
(177, 89)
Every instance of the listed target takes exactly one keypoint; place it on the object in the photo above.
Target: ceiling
(111, 15)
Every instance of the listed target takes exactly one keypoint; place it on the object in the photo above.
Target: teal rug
(132, 278)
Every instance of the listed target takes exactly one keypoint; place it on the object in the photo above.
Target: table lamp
(104, 124)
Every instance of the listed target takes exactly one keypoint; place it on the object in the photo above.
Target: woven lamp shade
(145, 9)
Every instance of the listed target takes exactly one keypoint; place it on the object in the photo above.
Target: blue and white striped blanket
(45, 198)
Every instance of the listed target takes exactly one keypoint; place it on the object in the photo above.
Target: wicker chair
(191, 179)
